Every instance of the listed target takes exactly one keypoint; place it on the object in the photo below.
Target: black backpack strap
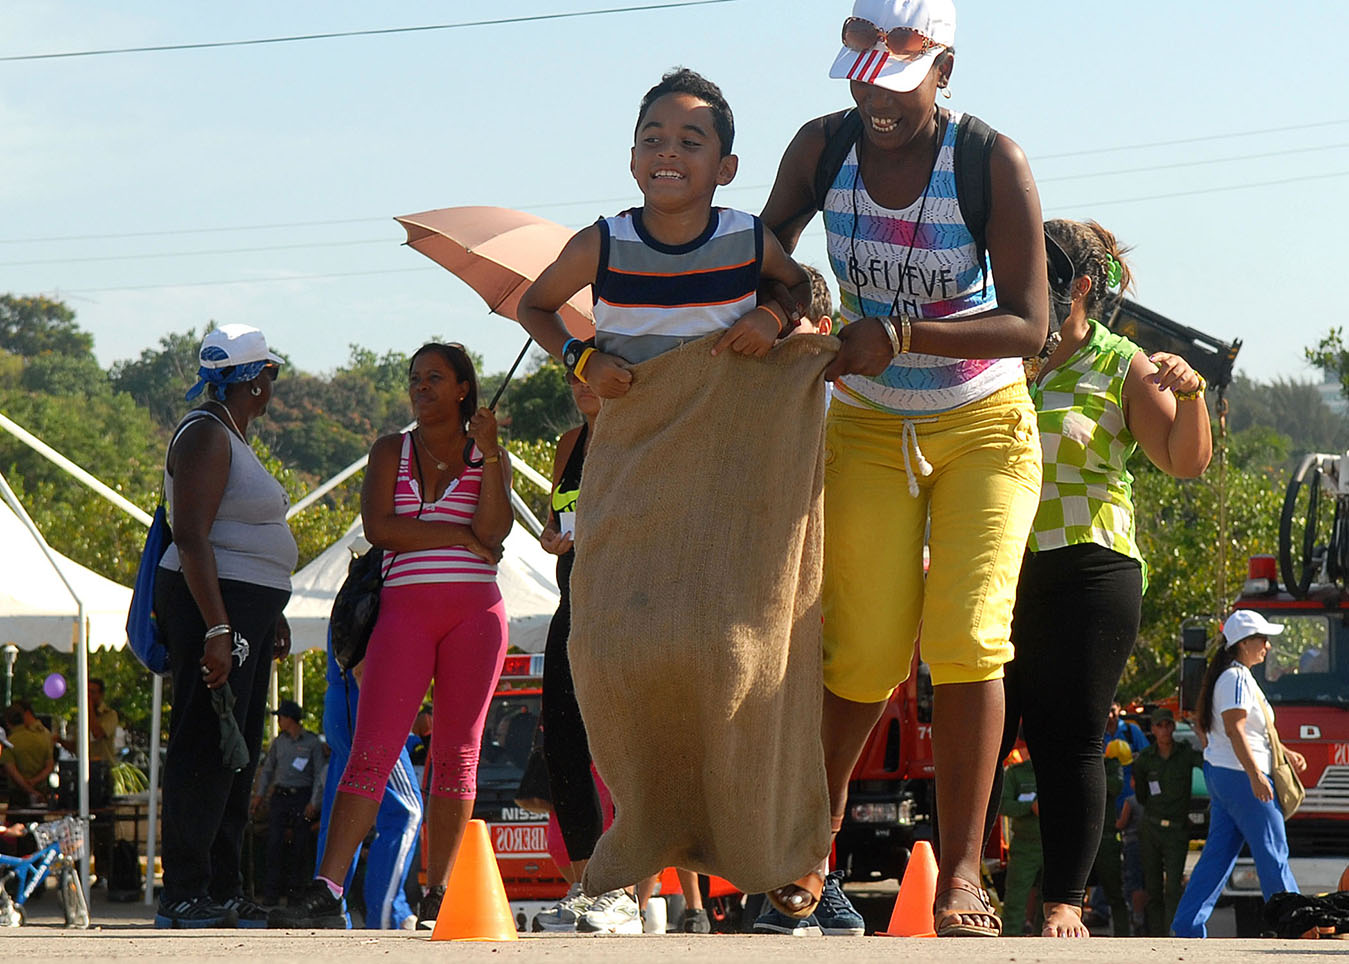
(974, 191)
(841, 132)
(838, 142)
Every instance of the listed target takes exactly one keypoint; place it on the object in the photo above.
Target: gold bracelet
(581, 364)
(907, 333)
(491, 459)
(889, 325)
(1192, 395)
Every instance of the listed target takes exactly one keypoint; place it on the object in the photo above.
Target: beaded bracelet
(1194, 394)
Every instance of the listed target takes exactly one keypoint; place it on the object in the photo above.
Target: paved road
(290, 947)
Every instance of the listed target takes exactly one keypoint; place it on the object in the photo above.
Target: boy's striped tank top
(869, 247)
(457, 504)
(651, 297)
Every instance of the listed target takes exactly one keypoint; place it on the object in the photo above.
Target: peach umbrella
(497, 252)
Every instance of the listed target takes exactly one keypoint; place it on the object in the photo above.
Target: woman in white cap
(930, 419)
(1238, 758)
(219, 595)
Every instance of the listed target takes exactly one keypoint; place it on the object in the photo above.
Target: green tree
(539, 405)
(160, 377)
(36, 325)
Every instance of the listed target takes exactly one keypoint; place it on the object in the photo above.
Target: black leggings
(1076, 618)
(205, 804)
(566, 750)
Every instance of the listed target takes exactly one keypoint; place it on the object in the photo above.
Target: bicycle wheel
(72, 895)
(1300, 552)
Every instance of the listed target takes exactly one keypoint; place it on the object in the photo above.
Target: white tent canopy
(37, 609)
(525, 576)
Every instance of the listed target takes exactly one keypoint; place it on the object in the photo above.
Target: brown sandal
(951, 924)
(812, 885)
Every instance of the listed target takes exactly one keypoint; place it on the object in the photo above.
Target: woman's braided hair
(1093, 249)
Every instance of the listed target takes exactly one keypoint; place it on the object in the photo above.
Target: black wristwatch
(572, 352)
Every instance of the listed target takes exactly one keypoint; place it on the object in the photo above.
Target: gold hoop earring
(946, 92)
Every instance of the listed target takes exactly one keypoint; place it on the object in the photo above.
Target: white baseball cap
(1245, 623)
(235, 345)
(935, 20)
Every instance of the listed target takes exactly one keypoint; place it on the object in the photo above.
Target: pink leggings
(453, 632)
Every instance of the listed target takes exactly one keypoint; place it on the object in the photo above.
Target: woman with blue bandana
(219, 595)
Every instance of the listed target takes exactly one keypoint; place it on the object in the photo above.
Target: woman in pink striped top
(441, 523)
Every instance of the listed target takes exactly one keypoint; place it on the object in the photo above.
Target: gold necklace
(441, 464)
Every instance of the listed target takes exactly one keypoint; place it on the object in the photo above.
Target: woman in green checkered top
(1098, 397)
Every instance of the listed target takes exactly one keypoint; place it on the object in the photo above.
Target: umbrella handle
(469, 460)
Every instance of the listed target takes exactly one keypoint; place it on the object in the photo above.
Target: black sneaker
(249, 913)
(695, 921)
(315, 906)
(195, 912)
(836, 915)
(428, 908)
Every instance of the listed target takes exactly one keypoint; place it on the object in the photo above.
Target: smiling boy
(676, 268)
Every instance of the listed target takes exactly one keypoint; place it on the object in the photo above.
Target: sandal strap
(959, 883)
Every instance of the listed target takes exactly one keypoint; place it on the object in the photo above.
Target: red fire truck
(1306, 679)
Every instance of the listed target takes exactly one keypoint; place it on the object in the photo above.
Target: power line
(1192, 140)
(1206, 190)
(352, 274)
(1180, 164)
(590, 202)
(362, 33)
(247, 281)
(193, 254)
(216, 230)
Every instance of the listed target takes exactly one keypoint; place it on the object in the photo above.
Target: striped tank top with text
(869, 248)
(450, 564)
(651, 297)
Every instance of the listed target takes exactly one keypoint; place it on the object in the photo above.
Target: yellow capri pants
(981, 496)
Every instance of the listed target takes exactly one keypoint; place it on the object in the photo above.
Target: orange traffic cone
(912, 916)
(475, 906)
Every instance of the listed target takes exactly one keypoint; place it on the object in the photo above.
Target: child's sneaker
(613, 912)
(428, 908)
(563, 915)
(249, 913)
(195, 912)
(836, 915)
(695, 921)
(773, 921)
(315, 906)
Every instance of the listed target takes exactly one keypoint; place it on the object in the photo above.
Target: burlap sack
(695, 637)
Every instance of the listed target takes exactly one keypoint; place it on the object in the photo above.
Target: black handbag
(356, 605)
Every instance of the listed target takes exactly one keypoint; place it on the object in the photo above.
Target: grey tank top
(250, 537)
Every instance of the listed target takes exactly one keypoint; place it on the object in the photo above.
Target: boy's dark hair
(681, 80)
(821, 300)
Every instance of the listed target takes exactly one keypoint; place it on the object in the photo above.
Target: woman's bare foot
(1063, 920)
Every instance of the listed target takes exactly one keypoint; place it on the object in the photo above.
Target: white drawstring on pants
(908, 435)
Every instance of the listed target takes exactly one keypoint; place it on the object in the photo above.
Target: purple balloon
(54, 686)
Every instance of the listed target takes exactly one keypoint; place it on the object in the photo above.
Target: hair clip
(1114, 271)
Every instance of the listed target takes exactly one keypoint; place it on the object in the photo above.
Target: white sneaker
(613, 912)
(563, 915)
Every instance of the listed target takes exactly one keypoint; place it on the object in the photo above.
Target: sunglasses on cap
(906, 43)
(272, 371)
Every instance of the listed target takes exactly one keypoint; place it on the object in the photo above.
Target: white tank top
(894, 261)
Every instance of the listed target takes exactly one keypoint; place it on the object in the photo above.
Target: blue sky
(539, 116)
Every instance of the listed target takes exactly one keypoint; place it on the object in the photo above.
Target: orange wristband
(781, 324)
